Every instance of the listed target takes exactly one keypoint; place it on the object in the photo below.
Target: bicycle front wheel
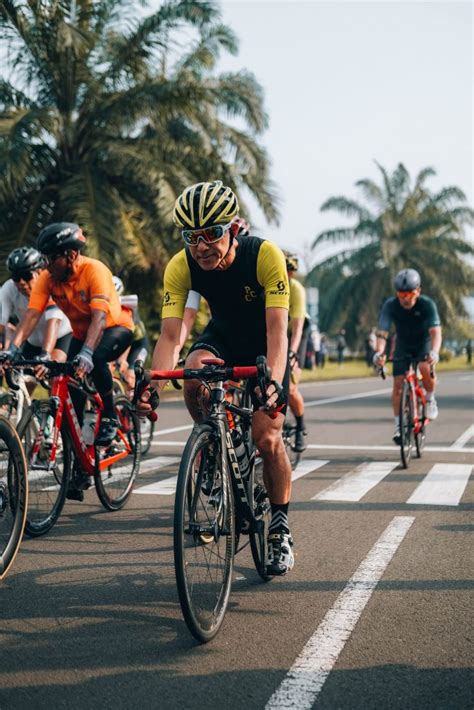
(147, 429)
(13, 495)
(48, 480)
(406, 425)
(117, 465)
(204, 530)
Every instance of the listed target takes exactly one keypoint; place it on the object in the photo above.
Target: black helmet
(407, 280)
(24, 259)
(59, 237)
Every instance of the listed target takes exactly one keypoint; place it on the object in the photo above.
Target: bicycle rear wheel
(288, 434)
(406, 425)
(48, 481)
(262, 511)
(114, 481)
(147, 429)
(204, 530)
(13, 495)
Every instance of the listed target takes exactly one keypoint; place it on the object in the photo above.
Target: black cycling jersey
(412, 325)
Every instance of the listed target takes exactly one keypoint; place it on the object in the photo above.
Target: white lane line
(363, 447)
(355, 484)
(170, 443)
(167, 487)
(309, 672)
(172, 430)
(465, 378)
(307, 466)
(464, 438)
(360, 395)
(158, 462)
(444, 484)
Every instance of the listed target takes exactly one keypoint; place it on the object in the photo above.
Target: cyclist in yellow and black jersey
(245, 283)
(299, 331)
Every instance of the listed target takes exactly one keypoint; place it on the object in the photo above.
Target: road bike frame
(417, 394)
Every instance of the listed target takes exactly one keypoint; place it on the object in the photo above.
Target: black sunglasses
(52, 257)
(23, 276)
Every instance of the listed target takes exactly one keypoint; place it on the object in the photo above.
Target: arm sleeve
(385, 318)
(5, 305)
(272, 275)
(101, 286)
(40, 295)
(177, 284)
(297, 299)
(194, 300)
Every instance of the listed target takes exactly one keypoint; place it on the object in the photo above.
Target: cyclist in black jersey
(418, 336)
(245, 283)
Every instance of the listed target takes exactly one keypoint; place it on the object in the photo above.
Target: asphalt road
(377, 612)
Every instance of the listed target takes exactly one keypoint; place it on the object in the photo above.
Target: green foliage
(404, 225)
(105, 119)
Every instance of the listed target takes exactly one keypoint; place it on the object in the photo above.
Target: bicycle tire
(13, 495)
(203, 546)
(115, 483)
(406, 425)
(421, 435)
(47, 488)
(147, 429)
(262, 511)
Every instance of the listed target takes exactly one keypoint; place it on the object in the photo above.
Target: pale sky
(347, 83)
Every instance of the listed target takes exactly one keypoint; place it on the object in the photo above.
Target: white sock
(429, 396)
(395, 419)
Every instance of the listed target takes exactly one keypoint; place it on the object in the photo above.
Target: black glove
(150, 396)
(293, 359)
(44, 356)
(11, 354)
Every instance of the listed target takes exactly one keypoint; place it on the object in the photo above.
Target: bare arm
(166, 352)
(436, 338)
(189, 318)
(96, 328)
(26, 326)
(277, 341)
(51, 334)
(296, 327)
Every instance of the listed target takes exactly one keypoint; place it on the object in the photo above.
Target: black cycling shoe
(299, 440)
(75, 494)
(79, 483)
(107, 431)
(397, 437)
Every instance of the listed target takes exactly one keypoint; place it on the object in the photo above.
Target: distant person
(469, 351)
(341, 346)
(315, 336)
(323, 351)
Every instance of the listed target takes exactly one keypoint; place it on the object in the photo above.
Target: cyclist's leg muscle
(196, 395)
(276, 466)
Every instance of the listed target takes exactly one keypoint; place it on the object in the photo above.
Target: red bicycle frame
(417, 392)
(61, 397)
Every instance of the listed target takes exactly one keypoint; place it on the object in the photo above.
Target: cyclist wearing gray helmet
(418, 332)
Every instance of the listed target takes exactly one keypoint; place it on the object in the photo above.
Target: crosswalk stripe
(158, 462)
(307, 466)
(355, 484)
(464, 438)
(167, 487)
(443, 485)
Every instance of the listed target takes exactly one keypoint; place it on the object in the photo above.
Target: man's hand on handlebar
(40, 371)
(274, 399)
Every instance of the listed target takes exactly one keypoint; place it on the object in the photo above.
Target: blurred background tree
(400, 224)
(105, 118)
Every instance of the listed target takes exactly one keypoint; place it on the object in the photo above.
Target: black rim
(13, 495)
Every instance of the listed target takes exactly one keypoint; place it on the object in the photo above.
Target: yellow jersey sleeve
(272, 275)
(177, 284)
(297, 299)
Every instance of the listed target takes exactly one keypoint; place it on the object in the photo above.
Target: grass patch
(357, 368)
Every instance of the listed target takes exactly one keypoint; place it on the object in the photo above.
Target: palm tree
(105, 121)
(401, 224)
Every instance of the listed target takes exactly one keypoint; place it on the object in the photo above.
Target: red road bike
(60, 451)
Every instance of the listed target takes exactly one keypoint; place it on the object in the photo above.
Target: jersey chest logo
(249, 294)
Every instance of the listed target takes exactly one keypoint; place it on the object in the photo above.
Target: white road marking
(307, 466)
(465, 378)
(355, 484)
(167, 487)
(364, 447)
(464, 438)
(158, 462)
(172, 430)
(360, 395)
(309, 672)
(444, 484)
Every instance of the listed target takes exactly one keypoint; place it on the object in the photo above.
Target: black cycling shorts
(403, 356)
(213, 341)
(30, 351)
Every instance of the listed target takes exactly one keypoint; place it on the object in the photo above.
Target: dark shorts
(30, 351)
(403, 356)
(211, 340)
(138, 351)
